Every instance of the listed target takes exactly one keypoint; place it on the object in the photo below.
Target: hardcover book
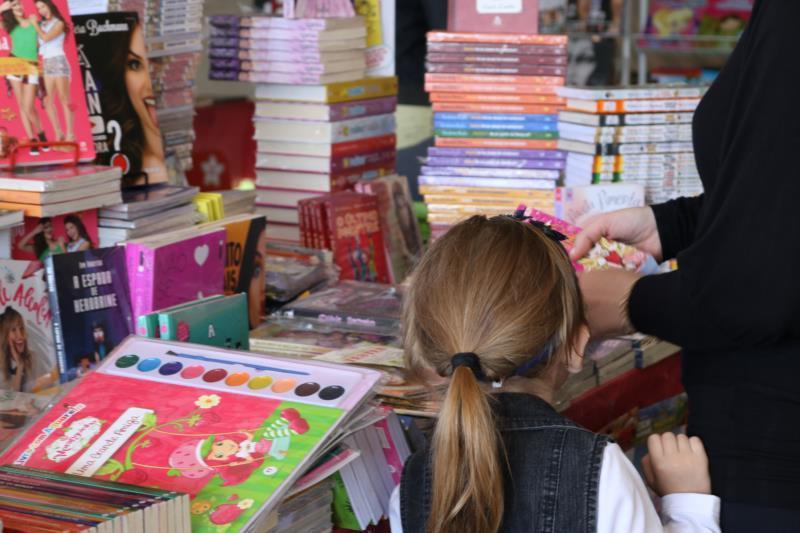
(91, 307)
(231, 430)
(216, 322)
(174, 268)
(148, 325)
(120, 97)
(27, 349)
(30, 64)
(493, 16)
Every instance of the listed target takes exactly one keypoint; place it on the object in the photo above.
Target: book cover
(356, 237)
(119, 95)
(176, 417)
(91, 307)
(27, 354)
(245, 262)
(493, 16)
(17, 411)
(400, 230)
(576, 204)
(215, 322)
(379, 16)
(30, 66)
(165, 274)
(39, 238)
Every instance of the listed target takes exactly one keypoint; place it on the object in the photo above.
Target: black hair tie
(469, 360)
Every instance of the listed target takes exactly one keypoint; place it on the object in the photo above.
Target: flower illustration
(207, 401)
(183, 331)
(245, 504)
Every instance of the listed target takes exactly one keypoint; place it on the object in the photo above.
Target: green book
(218, 321)
(147, 325)
(343, 514)
(488, 134)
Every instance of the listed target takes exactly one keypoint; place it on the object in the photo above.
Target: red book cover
(520, 38)
(354, 228)
(370, 144)
(493, 16)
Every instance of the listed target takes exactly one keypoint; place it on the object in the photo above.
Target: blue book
(90, 302)
(494, 117)
(497, 126)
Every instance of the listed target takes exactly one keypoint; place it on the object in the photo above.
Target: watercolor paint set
(231, 429)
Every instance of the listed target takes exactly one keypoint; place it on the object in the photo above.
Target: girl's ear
(575, 357)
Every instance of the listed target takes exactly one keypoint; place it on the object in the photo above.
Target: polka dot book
(231, 429)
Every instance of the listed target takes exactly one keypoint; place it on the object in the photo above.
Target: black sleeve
(413, 20)
(737, 281)
(677, 223)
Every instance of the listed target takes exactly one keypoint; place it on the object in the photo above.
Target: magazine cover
(312, 333)
(17, 411)
(27, 351)
(120, 97)
(91, 307)
(43, 100)
(39, 238)
(146, 417)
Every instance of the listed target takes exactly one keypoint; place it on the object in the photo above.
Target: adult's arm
(677, 223)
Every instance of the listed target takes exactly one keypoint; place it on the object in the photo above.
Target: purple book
(295, 67)
(496, 153)
(480, 172)
(495, 183)
(552, 164)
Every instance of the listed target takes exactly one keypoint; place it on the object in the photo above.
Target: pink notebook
(175, 268)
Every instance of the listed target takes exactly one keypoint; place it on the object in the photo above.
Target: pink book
(390, 450)
(493, 16)
(175, 268)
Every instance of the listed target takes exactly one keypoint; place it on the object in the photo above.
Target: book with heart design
(175, 267)
(90, 306)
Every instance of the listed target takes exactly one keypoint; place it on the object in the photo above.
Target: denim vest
(552, 476)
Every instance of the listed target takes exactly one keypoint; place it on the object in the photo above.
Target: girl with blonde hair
(494, 307)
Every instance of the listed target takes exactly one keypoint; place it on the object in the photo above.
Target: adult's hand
(605, 296)
(635, 226)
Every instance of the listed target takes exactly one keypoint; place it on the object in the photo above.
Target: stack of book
(495, 120)
(37, 500)
(51, 192)
(145, 211)
(639, 135)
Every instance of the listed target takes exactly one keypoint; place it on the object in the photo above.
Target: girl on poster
(45, 242)
(24, 46)
(78, 238)
(18, 366)
(52, 32)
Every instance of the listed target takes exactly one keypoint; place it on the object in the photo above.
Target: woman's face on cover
(140, 89)
(72, 231)
(257, 289)
(47, 229)
(16, 9)
(17, 337)
(44, 10)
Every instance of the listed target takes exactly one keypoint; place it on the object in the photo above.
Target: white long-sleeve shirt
(625, 505)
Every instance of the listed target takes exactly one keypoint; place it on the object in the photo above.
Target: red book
(370, 144)
(493, 16)
(497, 38)
(356, 237)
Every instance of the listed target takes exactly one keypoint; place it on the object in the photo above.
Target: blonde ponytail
(467, 473)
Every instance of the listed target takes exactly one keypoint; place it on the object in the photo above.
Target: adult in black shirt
(734, 303)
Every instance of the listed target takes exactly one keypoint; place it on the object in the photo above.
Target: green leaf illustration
(174, 472)
(148, 421)
(112, 466)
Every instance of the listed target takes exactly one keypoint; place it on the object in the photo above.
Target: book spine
(638, 106)
(496, 126)
(501, 183)
(497, 108)
(491, 69)
(491, 172)
(515, 144)
(317, 240)
(494, 61)
(496, 118)
(147, 326)
(353, 130)
(489, 134)
(167, 327)
(368, 144)
(478, 49)
(365, 162)
(496, 38)
(362, 90)
(348, 177)
(298, 78)
(55, 311)
(301, 209)
(364, 108)
(553, 164)
(510, 88)
(496, 98)
(483, 152)
(140, 278)
(486, 79)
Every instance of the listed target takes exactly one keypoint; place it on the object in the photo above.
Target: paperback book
(90, 301)
(39, 238)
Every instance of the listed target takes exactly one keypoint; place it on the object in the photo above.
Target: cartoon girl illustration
(52, 33)
(78, 238)
(45, 242)
(234, 457)
(24, 46)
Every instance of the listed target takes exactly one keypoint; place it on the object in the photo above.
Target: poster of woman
(44, 102)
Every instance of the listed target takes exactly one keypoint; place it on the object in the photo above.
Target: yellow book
(509, 202)
(346, 91)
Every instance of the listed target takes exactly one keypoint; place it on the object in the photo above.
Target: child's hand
(676, 464)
